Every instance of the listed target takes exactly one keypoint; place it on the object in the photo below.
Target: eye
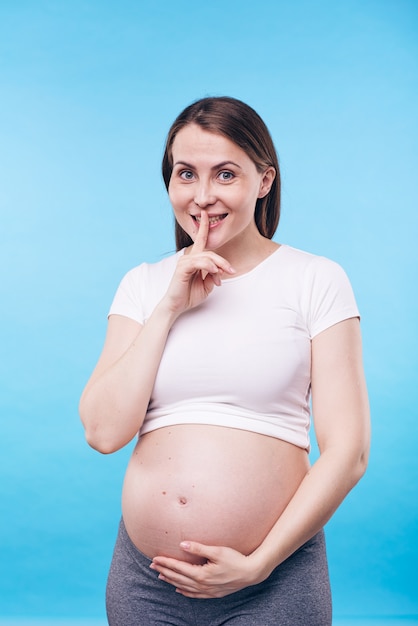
(186, 175)
(225, 176)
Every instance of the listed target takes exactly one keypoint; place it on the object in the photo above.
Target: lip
(211, 216)
(215, 220)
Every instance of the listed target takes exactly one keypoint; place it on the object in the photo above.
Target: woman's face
(212, 174)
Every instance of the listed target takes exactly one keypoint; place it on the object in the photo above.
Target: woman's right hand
(196, 273)
(116, 397)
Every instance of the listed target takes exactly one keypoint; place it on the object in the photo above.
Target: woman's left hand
(225, 571)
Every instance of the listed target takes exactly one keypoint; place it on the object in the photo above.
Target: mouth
(214, 219)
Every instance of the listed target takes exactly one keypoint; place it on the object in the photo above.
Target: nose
(204, 196)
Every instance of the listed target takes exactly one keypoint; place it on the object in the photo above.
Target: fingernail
(185, 545)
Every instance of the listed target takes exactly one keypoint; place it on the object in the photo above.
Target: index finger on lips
(202, 234)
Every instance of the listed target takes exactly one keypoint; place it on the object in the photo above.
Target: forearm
(342, 427)
(115, 401)
(113, 406)
(322, 490)
(226, 570)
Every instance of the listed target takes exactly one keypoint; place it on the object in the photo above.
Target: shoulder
(301, 259)
(159, 269)
(322, 287)
(308, 270)
(150, 276)
(142, 287)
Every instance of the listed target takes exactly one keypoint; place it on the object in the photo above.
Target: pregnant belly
(210, 484)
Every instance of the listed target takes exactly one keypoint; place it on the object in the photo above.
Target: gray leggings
(297, 593)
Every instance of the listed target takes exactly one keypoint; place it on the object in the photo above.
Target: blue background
(88, 92)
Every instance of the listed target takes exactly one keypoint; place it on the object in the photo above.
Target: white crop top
(242, 358)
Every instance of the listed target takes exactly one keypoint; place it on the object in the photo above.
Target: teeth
(212, 220)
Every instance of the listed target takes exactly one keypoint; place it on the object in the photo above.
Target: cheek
(177, 198)
(179, 205)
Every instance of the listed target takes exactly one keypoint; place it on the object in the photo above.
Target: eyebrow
(215, 167)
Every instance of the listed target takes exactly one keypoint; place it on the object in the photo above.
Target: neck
(247, 251)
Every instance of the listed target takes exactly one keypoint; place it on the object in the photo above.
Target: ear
(266, 182)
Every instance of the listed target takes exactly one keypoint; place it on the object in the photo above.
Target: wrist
(166, 313)
(261, 565)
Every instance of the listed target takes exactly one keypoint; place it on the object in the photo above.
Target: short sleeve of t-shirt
(128, 300)
(142, 288)
(329, 297)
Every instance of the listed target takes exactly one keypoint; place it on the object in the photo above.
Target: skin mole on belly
(182, 500)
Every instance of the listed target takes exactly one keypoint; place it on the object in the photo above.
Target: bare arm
(114, 402)
(341, 416)
(342, 424)
(115, 399)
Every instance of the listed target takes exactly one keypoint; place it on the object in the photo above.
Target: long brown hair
(239, 123)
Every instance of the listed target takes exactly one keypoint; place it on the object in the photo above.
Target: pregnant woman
(211, 358)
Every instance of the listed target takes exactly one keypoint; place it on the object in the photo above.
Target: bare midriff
(211, 484)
